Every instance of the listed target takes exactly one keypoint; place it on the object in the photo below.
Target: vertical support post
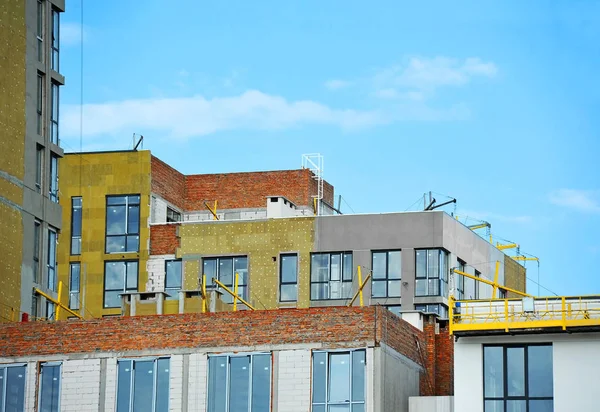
(495, 287)
(506, 314)
(57, 312)
(451, 313)
(564, 313)
(235, 292)
(160, 303)
(181, 296)
(360, 295)
(133, 305)
(204, 297)
(215, 211)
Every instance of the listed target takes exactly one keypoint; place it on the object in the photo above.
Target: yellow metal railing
(528, 313)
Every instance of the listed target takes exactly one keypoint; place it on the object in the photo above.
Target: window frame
(173, 212)
(125, 234)
(246, 291)
(288, 283)
(227, 389)
(387, 278)
(425, 308)
(349, 402)
(40, 103)
(54, 112)
(3, 386)
(442, 274)
(167, 287)
(132, 381)
(76, 237)
(477, 274)
(37, 248)
(55, 46)
(40, 385)
(40, 26)
(125, 289)
(342, 281)
(51, 261)
(459, 280)
(74, 292)
(53, 184)
(505, 398)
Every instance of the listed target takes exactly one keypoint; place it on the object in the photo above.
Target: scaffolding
(314, 163)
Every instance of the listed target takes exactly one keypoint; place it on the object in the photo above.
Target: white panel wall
(468, 376)
(176, 383)
(31, 387)
(431, 404)
(110, 399)
(294, 379)
(80, 386)
(197, 383)
(158, 210)
(156, 272)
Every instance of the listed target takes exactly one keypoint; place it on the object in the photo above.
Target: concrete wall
(575, 369)
(395, 381)
(431, 404)
(93, 176)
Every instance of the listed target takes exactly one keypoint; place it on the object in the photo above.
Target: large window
(51, 266)
(224, 270)
(173, 275)
(53, 184)
(40, 104)
(49, 397)
(119, 277)
(330, 275)
(459, 280)
(37, 239)
(432, 272)
(240, 383)
(288, 278)
(387, 271)
(440, 309)
(143, 385)
(518, 378)
(74, 285)
(12, 388)
(54, 112)
(122, 224)
(76, 226)
(55, 39)
(338, 383)
(40, 30)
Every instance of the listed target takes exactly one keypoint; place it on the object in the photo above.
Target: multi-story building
(30, 214)
(293, 360)
(136, 227)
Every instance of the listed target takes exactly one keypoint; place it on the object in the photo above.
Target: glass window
(40, 30)
(49, 387)
(476, 288)
(239, 383)
(330, 275)
(459, 280)
(518, 378)
(74, 285)
(288, 278)
(37, 239)
(387, 271)
(224, 270)
(51, 266)
(173, 278)
(173, 215)
(12, 388)
(39, 167)
(53, 184)
(55, 39)
(122, 224)
(143, 385)
(338, 381)
(76, 225)
(54, 94)
(40, 104)
(440, 309)
(431, 272)
(119, 277)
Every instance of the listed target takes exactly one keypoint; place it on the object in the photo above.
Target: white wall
(80, 385)
(576, 364)
(431, 404)
(293, 381)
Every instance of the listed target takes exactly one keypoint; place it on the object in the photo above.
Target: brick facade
(168, 182)
(438, 355)
(163, 239)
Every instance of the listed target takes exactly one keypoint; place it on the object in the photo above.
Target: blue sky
(494, 103)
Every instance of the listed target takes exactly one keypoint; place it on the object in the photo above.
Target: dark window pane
(318, 408)
(394, 265)
(115, 220)
(515, 371)
(289, 267)
(339, 408)
(132, 275)
(319, 375)
(434, 287)
(123, 385)
(50, 387)
(114, 277)
(493, 372)
(358, 376)
(134, 200)
(348, 269)
(421, 264)
(74, 279)
(339, 372)
(379, 265)
(226, 271)
(336, 290)
(319, 291)
(116, 200)
(240, 266)
(210, 269)
(162, 385)
(133, 243)
(319, 268)
(289, 293)
(76, 246)
(15, 389)
(421, 287)
(239, 375)
(540, 371)
(173, 276)
(541, 405)
(395, 309)
(76, 227)
(133, 219)
(217, 382)
(433, 263)
(112, 299)
(261, 383)
(394, 288)
(358, 407)
(336, 267)
(346, 290)
(115, 244)
(143, 386)
(516, 406)
(378, 289)
(494, 406)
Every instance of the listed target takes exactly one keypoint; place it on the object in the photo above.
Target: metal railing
(528, 313)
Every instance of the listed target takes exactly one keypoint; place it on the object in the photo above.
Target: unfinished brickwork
(437, 350)
(168, 183)
(164, 239)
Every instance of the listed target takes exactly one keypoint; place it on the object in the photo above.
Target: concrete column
(159, 303)
(408, 278)
(133, 305)
(181, 296)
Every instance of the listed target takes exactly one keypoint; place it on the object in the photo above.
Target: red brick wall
(168, 182)
(398, 334)
(438, 379)
(164, 239)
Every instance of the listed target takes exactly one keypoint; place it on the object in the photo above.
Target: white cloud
(197, 116)
(337, 84)
(71, 34)
(581, 200)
